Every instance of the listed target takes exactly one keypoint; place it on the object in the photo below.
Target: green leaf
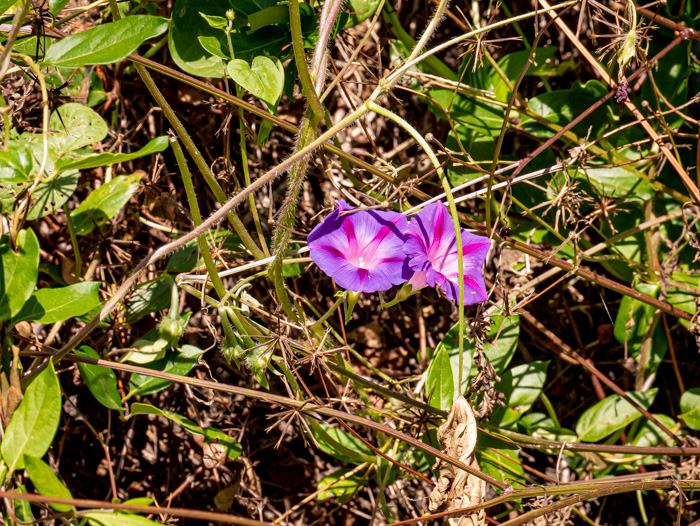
(233, 448)
(173, 363)
(483, 117)
(16, 162)
(440, 384)
(103, 518)
(263, 79)
(34, 422)
(28, 46)
(20, 272)
(618, 182)
(450, 343)
(217, 22)
(649, 434)
(81, 126)
(341, 444)
(46, 482)
(47, 197)
(611, 414)
(186, 26)
(682, 298)
(360, 10)
(521, 386)
(23, 508)
(512, 65)
(480, 148)
(56, 6)
(273, 15)
(690, 406)
(500, 464)
(632, 325)
(215, 46)
(104, 159)
(562, 106)
(152, 296)
(501, 342)
(60, 304)
(5, 5)
(102, 381)
(105, 43)
(342, 490)
(103, 203)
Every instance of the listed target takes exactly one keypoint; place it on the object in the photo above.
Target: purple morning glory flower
(361, 251)
(431, 248)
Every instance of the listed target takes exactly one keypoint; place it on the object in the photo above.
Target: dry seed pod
(457, 488)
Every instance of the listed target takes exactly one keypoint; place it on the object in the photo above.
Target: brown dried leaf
(11, 392)
(213, 455)
(457, 488)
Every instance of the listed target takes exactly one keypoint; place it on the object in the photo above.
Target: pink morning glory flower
(361, 251)
(431, 248)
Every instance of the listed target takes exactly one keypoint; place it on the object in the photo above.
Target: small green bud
(172, 329)
(230, 15)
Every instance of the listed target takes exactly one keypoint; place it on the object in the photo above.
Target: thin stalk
(246, 177)
(208, 516)
(17, 22)
(287, 214)
(453, 212)
(74, 242)
(196, 217)
(6, 122)
(328, 314)
(307, 84)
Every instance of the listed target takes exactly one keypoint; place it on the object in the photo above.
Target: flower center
(360, 261)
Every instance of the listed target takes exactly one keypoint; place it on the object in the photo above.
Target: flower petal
(362, 251)
(431, 248)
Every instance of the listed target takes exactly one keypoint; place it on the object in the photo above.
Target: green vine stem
(246, 177)
(453, 212)
(74, 242)
(197, 218)
(287, 214)
(307, 84)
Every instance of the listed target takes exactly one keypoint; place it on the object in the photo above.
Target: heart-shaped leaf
(263, 78)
